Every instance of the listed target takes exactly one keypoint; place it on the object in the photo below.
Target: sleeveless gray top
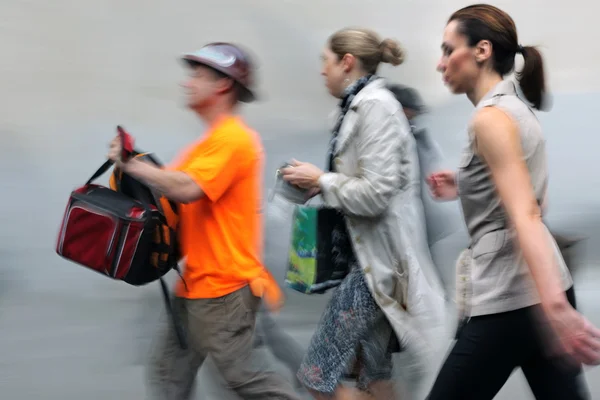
(494, 277)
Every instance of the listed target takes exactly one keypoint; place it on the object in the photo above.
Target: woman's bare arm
(498, 143)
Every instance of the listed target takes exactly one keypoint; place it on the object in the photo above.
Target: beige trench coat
(377, 185)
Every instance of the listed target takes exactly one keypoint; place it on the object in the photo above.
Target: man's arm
(174, 185)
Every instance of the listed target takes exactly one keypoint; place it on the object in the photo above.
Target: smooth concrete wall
(71, 70)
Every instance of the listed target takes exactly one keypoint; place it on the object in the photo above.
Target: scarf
(349, 95)
(343, 257)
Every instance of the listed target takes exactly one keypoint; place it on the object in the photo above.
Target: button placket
(463, 284)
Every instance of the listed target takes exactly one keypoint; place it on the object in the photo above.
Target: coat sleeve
(380, 140)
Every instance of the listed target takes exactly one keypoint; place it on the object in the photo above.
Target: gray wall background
(72, 70)
(75, 69)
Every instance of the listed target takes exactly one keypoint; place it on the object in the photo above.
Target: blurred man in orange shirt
(218, 182)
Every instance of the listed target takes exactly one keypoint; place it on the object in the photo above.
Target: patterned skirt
(353, 329)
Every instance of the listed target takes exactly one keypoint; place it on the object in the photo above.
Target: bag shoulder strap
(179, 331)
(156, 161)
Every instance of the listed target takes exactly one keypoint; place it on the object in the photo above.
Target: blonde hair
(366, 45)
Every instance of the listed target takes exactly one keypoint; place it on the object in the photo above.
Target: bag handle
(103, 168)
(127, 152)
(136, 189)
(278, 184)
(171, 202)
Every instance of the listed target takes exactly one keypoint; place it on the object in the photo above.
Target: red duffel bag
(111, 232)
(108, 232)
(114, 233)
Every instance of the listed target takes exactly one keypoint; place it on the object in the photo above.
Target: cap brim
(246, 95)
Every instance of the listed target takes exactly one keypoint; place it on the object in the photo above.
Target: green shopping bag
(311, 268)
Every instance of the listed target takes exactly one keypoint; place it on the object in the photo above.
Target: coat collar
(349, 125)
(376, 84)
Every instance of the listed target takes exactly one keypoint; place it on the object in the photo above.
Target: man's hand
(115, 151)
(174, 185)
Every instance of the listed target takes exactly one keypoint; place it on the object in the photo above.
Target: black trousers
(489, 348)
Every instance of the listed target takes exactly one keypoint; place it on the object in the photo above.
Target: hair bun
(391, 52)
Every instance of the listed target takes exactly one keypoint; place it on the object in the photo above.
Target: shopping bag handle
(279, 182)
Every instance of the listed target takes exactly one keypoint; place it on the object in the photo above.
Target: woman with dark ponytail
(515, 294)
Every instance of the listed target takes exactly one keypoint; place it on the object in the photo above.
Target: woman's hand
(574, 335)
(499, 145)
(443, 185)
(304, 175)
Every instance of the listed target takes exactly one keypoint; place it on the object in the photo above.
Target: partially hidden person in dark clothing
(440, 221)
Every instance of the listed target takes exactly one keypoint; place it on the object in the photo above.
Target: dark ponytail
(532, 79)
(485, 22)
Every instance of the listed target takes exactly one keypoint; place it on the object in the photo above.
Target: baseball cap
(230, 60)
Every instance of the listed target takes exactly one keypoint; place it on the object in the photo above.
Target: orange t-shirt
(221, 233)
